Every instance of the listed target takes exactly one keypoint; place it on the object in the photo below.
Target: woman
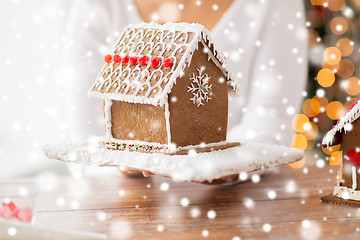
(264, 42)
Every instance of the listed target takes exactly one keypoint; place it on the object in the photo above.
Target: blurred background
(33, 39)
(333, 82)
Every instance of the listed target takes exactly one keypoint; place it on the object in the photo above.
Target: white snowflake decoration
(200, 88)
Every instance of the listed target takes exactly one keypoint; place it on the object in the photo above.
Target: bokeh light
(310, 133)
(333, 29)
(334, 68)
(335, 110)
(339, 25)
(318, 2)
(299, 121)
(330, 150)
(298, 164)
(346, 68)
(326, 77)
(346, 46)
(336, 5)
(311, 107)
(332, 55)
(335, 158)
(299, 141)
(352, 86)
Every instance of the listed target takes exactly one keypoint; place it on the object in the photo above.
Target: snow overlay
(196, 167)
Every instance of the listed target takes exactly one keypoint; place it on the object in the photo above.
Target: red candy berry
(154, 62)
(167, 63)
(9, 210)
(133, 60)
(7, 213)
(125, 59)
(9, 205)
(108, 58)
(143, 60)
(24, 214)
(117, 59)
(353, 157)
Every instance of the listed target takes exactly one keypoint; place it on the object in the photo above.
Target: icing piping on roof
(350, 116)
(152, 96)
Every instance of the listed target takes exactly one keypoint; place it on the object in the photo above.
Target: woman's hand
(135, 172)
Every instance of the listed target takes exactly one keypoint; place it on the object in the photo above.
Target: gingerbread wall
(351, 140)
(191, 124)
(142, 122)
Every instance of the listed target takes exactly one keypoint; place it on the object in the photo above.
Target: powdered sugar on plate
(197, 167)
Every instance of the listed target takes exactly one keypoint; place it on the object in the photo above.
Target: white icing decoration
(168, 35)
(107, 113)
(354, 180)
(200, 88)
(348, 118)
(346, 193)
(167, 122)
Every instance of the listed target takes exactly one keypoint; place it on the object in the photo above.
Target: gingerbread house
(164, 87)
(347, 133)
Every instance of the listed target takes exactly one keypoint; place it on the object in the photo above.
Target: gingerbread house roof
(149, 57)
(343, 124)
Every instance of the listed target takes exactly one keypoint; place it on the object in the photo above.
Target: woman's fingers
(131, 171)
(147, 173)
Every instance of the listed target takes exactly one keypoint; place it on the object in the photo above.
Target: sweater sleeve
(92, 29)
(277, 76)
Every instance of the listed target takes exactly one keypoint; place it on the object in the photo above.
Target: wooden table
(143, 208)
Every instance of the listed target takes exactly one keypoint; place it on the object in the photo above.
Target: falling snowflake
(200, 88)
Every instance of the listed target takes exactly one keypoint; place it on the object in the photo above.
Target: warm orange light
(352, 86)
(346, 46)
(336, 5)
(299, 141)
(335, 110)
(315, 106)
(339, 25)
(357, 2)
(346, 68)
(330, 150)
(333, 68)
(298, 164)
(311, 131)
(332, 55)
(326, 77)
(299, 121)
(318, 2)
(335, 158)
(311, 107)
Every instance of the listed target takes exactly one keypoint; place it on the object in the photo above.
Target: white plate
(198, 167)
(10, 230)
